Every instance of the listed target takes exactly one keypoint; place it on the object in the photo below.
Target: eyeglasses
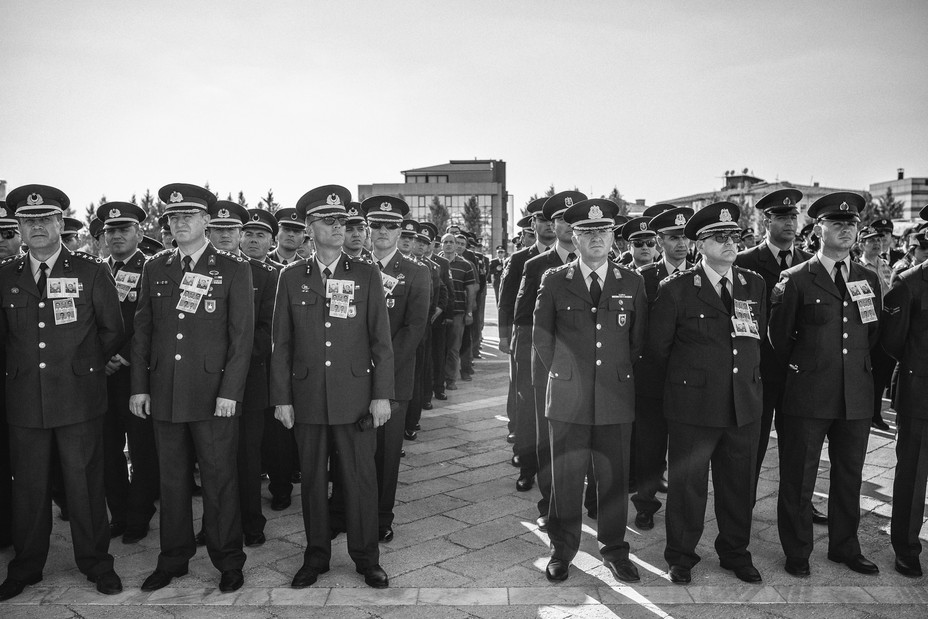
(8, 234)
(723, 237)
(640, 244)
(332, 220)
(377, 225)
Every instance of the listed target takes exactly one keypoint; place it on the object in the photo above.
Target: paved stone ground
(466, 546)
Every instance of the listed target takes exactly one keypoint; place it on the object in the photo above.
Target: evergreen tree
(439, 215)
(473, 217)
(268, 203)
(241, 199)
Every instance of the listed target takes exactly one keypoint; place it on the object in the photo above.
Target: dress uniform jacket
(583, 388)
(264, 284)
(407, 306)
(186, 361)
(357, 367)
(495, 273)
(133, 265)
(55, 373)
(511, 280)
(645, 382)
(824, 341)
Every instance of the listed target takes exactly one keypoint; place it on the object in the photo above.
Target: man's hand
(469, 318)
(140, 405)
(114, 364)
(380, 411)
(284, 414)
(504, 345)
(435, 315)
(224, 407)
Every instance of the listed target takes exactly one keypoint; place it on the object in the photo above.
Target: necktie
(595, 289)
(839, 279)
(42, 279)
(326, 274)
(726, 296)
(784, 254)
(117, 266)
(187, 264)
(571, 257)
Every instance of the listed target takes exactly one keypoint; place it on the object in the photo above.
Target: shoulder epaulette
(744, 270)
(88, 257)
(9, 259)
(223, 252)
(677, 275)
(163, 252)
(263, 265)
(646, 267)
(292, 264)
(361, 258)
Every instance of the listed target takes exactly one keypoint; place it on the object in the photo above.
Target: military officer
(357, 233)
(904, 335)
(290, 236)
(258, 235)
(10, 244)
(705, 330)
(194, 330)
(650, 424)
(167, 237)
(884, 228)
(590, 326)
(131, 501)
(642, 241)
(70, 236)
(332, 381)
(59, 325)
(823, 322)
(869, 241)
(438, 345)
(496, 269)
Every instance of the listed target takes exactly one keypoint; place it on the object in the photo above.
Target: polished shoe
(254, 539)
(386, 535)
(108, 583)
(909, 566)
(134, 535)
(662, 486)
(880, 424)
(515, 461)
(441, 396)
(542, 522)
(200, 538)
(197, 490)
(158, 580)
(306, 576)
(623, 570)
(680, 575)
(231, 580)
(12, 587)
(451, 386)
(818, 517)
(858, 563)
(117, 529)
(467, 377)
(410, 435)
(797, 567)
(426, 406)
(745, 573)
(644, 521)
(511, 437)
(296, 477)
(402, 453)
(525, 483)
(280, 503)
(374, 576)
(558, 570)
(419, 426)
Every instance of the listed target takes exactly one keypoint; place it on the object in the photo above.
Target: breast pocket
(620, 314)
(816, 312)
(704, 322)
(16, 307)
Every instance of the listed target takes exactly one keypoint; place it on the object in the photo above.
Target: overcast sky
(656, 98)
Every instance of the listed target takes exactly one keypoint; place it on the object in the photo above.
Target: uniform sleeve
(378, 329)
(282, 346)
(785, 302)
(508, 289)
(639, 330)
(140, 355)
(107, 312)
(409, 335)
(241, 333)
(525, 299)
(543, 327)
(264, 321)
(662, 327)
(896, 319)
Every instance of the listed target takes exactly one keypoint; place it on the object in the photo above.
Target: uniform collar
(829, 264)
(195, 256)
(34, 263)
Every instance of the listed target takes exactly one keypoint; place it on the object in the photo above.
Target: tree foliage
(438, 214)
(473, 217)
(268, 203)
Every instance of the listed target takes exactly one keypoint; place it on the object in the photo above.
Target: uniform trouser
(512, 400)
(6, 485)
(80, 447)
(453, 334)
(439, 355)
(883, 366)
(800, 447)
(250, 435)
(572, 446)
(909, 485)
(279, 446)
(524, 447)
(214, 442)
(421, 388)
(354, 450)
(772, 402)
(479, 313)
(131, 501)
(731, 453)
(650, 452)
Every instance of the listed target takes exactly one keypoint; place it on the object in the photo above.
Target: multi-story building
(453, 184)
(912, 192)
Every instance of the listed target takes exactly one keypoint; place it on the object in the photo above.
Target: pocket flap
(85, 366)
(688, 377)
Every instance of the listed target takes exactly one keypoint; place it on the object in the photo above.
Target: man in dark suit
(290, 235)
(437, 344)
(131, 501)
(650, 425)
(194, 332)
(780, 210)
(495, 272)
(57, 344)
(590, 325)
(904, 335)
(332, 380)
(823, 323)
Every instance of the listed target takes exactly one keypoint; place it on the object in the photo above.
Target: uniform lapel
(577, 285)
(769, 262)
(26, 281)
(708, 293)
(175, 267)
(822, 278)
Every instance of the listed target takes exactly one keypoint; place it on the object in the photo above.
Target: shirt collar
(542, 248)
(387, 259)
(34, 264)
(330, 267)
(563, 252)
(714, 278)
(601, 271)
(195, 256)
(776, 250)
(672, 269)
(830, 264)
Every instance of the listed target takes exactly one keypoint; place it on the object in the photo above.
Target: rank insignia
(223, 213)
(595, 212)
(209, 305)
(742, 280)
(623, 318)
(34, 199)
(617, 273)
(386, 206)
(680, 220)
(211, 261)
(724, 215)
(697, 281)
(333, 199)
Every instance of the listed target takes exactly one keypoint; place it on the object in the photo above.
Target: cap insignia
(293, 216)
(34, 199)
(568, 202)
(595, 211)
(410, 227)
(680, 220)
(114, 213)
(844, 206)
(352, 212)
(223, 213)
(255, 217)
(333, 199)
(643, 226)
(386, 206)
(176, 196)
(787, 201)
(724, 215)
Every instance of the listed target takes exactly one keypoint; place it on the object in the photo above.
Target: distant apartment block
(912, 192)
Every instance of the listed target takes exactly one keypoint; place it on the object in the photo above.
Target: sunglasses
(723, 237)
(332, 220)
(640, 244)
(376, 225)
(8, 234)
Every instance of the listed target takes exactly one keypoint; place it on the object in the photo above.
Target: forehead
(38, 220)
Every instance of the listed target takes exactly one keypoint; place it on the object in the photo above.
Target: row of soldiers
(627, 371)
(209, 350)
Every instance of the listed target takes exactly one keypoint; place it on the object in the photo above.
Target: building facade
(912, 192)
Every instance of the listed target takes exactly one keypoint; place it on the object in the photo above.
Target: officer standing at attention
(904, 335)
(705, 331)
(70, 236)
(290, 236)
(191, 350)
(10, 244)
(258, 234)
(495, 272)
(332, 381)
(438, 344)
(590, 326)
(356, 232)
(59, 325)
(823, 322)
(131, 501)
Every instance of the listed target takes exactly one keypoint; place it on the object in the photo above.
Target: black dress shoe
(818, 517)
(108, 583)
(441, 396)
(12, 587)
(158, 580)
(558, 570)
(623, 570)
(797, 567)
(662, 486)
(858, 563)
(197, 490)
(386, 535)
(426, 406)
(511, 437)
(525, 483)
(467, 377)
(307, 576)
(254, 539)
(280, 502)
(402, 453)
(744, 573)
(542, 522)
(909, 566)
(117, 529)
(231, 580)
(680, 575)
(419, 426)
(515, 461)
(134, 535)
(200, 538)
(410, 435)
(880, 424)
(374, 576)
(644, 521)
